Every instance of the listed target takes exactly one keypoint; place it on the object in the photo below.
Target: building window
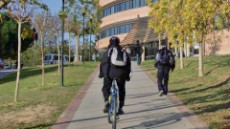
(112, 9)
(115, 30)
(125, 6)
(142, 3)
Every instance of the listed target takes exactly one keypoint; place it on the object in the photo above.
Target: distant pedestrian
(164, 62)
(139, 52)
(16, 65)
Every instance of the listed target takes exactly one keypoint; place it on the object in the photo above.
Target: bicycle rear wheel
(114, 118)
(110, 114)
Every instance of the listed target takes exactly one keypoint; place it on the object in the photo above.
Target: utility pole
(91, 20)
(62, 47)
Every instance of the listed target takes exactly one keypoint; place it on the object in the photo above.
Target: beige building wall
(125, 16)
(103, 43)
(218, 43)
(116, 19)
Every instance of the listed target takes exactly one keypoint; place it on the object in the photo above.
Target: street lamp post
(83, 35)
(62, 36)
(35, 36)
(91, 20)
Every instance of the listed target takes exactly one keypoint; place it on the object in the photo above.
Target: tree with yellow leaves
(186, 19)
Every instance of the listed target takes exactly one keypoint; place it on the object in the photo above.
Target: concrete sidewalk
(144, 109)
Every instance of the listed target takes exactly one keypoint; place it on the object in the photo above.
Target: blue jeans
(138, 59)
(162, 78)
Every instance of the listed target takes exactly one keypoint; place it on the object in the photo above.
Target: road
(6, 72)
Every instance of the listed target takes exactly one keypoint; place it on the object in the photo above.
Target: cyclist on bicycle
(110, 71)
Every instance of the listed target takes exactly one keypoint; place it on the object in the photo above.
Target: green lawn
(208, 97)
(40, 105)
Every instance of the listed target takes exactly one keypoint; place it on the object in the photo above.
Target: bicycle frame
(113, 104)
(114, 92)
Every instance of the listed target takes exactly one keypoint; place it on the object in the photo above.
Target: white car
(7, 66)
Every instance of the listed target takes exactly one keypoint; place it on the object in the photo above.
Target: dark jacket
(104, 66)
(171, 59)
(107, 69)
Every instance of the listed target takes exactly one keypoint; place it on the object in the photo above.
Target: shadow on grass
(184, 81)
(185, 89)
(168, 117)
(212, 108)
(215, 86)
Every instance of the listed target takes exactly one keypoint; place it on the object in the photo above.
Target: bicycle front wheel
(114, 124)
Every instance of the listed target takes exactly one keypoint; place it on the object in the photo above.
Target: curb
(65, 118)
(191, 116)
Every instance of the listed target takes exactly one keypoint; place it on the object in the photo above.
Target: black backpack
(166, 58)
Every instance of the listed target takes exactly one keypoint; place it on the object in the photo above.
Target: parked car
(53, 59)
(7, 66)
(1, 64)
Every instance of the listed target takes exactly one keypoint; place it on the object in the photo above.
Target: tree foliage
(182, 20)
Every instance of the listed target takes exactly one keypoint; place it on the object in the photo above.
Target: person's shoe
(120, 111)
(106, 108)
(165, 93)
(160, 93)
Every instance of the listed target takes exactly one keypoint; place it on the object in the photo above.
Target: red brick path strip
(65, 119)
(191, 116)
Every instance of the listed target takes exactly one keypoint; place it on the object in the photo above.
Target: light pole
(35, 36)
(96, 47)
(83, 35)
(91, 20)
(62, 38)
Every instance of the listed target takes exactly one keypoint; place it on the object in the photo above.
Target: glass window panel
(112, 9)
(115, 8)
(119, 7)
(127, 5)
(131, 4)
(143, 3)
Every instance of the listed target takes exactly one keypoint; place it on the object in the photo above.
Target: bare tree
(21, 11)
(41, 21)
(75, 29)
(68, 29)
(55, 24)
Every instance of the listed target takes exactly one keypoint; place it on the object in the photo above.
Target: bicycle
(113, 104)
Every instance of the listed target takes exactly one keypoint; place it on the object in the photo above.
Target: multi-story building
(128, 20)
(119, 18)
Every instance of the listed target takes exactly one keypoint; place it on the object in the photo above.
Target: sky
(55, 6)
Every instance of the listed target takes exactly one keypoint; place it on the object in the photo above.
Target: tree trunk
(185, 49)
(159, 41)
(176, 50)
(76, 59)
(19, 63)
(58, 50)
(201, 71)
(69, 49)
(181, 58)
(188, 50)
(43, 66)
(143, 54)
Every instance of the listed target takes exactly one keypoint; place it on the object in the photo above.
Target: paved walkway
(144, 108)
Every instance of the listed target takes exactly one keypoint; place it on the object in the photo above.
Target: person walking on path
(139, 52)
(109, 70)
(164, 62)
